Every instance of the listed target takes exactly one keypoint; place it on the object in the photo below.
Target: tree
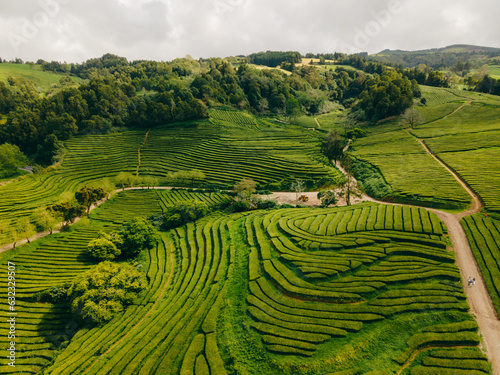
(11, 158)
(45, 220)
(150, 181)
(333, 146)
(105, 184)
(328, 198)
(412, 117)
(67, 210)
(124, 179)
(245, 188)
(197, 176)
(347, 123)
(103, 249)
(27, 228)
(87, 196)
(104, 290)
(386, 95)
(184, 212)
(298, 187)
(137, 235)
(293, 108)
(50, 150)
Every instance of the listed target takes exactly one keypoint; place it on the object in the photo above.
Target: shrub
(184, 212)
(137, 235)
(240, 206)
(103, 249)
(267, 204)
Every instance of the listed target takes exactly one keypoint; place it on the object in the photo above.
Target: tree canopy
(333, 146)
(11, 158)
(105, 290)
(137, 235)
(389, 94)
(87, 196)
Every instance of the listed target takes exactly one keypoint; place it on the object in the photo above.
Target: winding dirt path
(451, 113)
(477, 295)
(317, 122)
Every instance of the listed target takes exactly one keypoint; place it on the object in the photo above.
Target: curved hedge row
(343, 268)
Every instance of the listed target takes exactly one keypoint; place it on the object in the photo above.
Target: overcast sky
(76, 30)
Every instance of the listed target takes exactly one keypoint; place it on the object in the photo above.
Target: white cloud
(73, 30)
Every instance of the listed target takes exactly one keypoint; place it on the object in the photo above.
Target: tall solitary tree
(298, 187)
(412, 117)
(293, 108)
(333, 146)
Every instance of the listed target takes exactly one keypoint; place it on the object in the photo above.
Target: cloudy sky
(75, 30)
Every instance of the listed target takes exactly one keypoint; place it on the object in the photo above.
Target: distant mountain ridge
(454, 48)
(438, 58)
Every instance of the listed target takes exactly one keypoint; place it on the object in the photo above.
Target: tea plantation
(224, 152)
(286, 291)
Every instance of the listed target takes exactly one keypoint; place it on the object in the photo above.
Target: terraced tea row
(484, 239)
(58, 259)
(232, 117)
(172, 328)
(88, 159)
(318, 278)
(469, 142)
(225, 155)
(413, 175)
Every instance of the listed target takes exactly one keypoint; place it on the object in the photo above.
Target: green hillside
(42, 80)
(460, 128)
(438, 57)
(241, 274)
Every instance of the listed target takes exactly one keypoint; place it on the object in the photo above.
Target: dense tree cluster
(426, 76)
(104, 290)
(489, 85)
(437, 58)
(11, 158)
(275, 58)
(135, 236)
(386, 95)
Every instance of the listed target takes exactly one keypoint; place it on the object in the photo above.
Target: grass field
(42, 80)
(494, 71)
(294, 291)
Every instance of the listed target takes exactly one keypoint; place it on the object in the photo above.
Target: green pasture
(43, 80)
